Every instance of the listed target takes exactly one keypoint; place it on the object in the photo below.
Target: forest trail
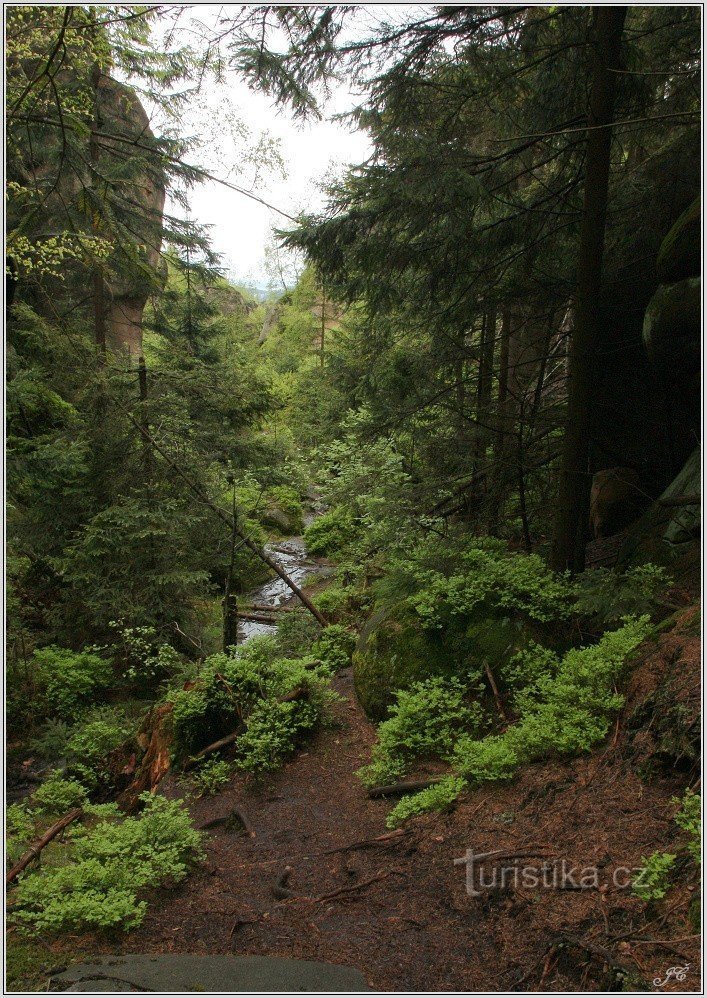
(401, 914)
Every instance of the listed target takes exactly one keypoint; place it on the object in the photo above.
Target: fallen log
(256, 618)
(268, 608)
(398, 789)
(35, 849)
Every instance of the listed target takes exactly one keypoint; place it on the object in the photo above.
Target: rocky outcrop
(615, 500)
(670, 531)
(680, 254)
(132, 277)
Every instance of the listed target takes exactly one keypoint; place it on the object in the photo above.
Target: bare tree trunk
(230, 603)
(573, 502)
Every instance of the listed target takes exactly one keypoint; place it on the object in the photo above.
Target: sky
(237, 131)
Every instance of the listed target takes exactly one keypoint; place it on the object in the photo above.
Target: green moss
(395, 650)
(26, 964)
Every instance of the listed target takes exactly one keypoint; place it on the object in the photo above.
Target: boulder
(394, 651)
(680, 254)
(615, 500)
(672, 330)
(670, 530)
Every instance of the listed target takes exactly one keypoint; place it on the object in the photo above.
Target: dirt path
(417, 929)
(397, 931)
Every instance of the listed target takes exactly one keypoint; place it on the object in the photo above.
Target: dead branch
(496, 694)
(356, 887)
(36, 848)
(214, 747)
(390, 838)
(397, 789)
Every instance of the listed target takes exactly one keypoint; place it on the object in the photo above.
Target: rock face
(670, 531)
(671, 333)
(121, 114)
(615, 500)
(680, 254)
(177, 973)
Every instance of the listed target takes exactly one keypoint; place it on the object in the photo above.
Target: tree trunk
(499, 447)
(573, 502)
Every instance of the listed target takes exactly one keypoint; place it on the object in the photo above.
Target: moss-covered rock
(672, 332)
(394, 651)
(680, 252)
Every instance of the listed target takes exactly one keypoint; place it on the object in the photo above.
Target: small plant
(296, 632)
(606, 596)
(105, 868)
(652, 883)
(68, 679)
(19, 829)
(689, 819)
(58, 795)
(334, 647)
(438, 797)
(425, 721)
(90, 743)
(331, 532)
(212, 776)
(52, 741)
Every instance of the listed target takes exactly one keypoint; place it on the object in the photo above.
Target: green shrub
(58, 795)
(606, 596)
(689, 819)
(103, 870)
(438, 797)
(331, 532)
(425, 721)
(212, 776)
(91, 741)
(334, 647)
(19, 831)
(296, 633)
(52, 740)
(69, 679)
(653, 882)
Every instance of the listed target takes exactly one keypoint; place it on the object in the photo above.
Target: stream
(290, 553)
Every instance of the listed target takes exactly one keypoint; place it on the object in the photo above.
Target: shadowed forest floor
(413, 927)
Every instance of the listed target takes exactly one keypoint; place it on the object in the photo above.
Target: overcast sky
(231, 121)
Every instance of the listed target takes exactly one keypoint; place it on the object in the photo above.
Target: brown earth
(413, 927)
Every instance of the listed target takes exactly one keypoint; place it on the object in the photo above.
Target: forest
(353, 631)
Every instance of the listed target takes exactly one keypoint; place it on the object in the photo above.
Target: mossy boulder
(394, 651)
(680, 254)
(670, 530)
(672, 331)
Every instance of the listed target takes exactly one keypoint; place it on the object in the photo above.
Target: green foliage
(68, 679)
(334, 647)
(439, 797)
(653, 881)
(689, 819)
(607, 596)
(58, 795)
(296, 631)
(90, 742)
(212, 776)
(103, 869)
(331, 533)
(425, 722)
(19, 830)
(565, 709)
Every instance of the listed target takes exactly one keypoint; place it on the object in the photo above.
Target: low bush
(425, 721)
(95, 879)
(334, 647)
(296, 632)
(69, 680)
(332, 532)
(689, 819)
(653, 880)
(212, 776)
(57, 795)
(438, 797)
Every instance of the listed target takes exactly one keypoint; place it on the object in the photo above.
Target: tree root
(390, 838)
(397, 789)
(279, 888)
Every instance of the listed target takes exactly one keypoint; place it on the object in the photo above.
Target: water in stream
(291, 555)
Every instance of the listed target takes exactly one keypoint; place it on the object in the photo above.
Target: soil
(402, 914)
(322, 879)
